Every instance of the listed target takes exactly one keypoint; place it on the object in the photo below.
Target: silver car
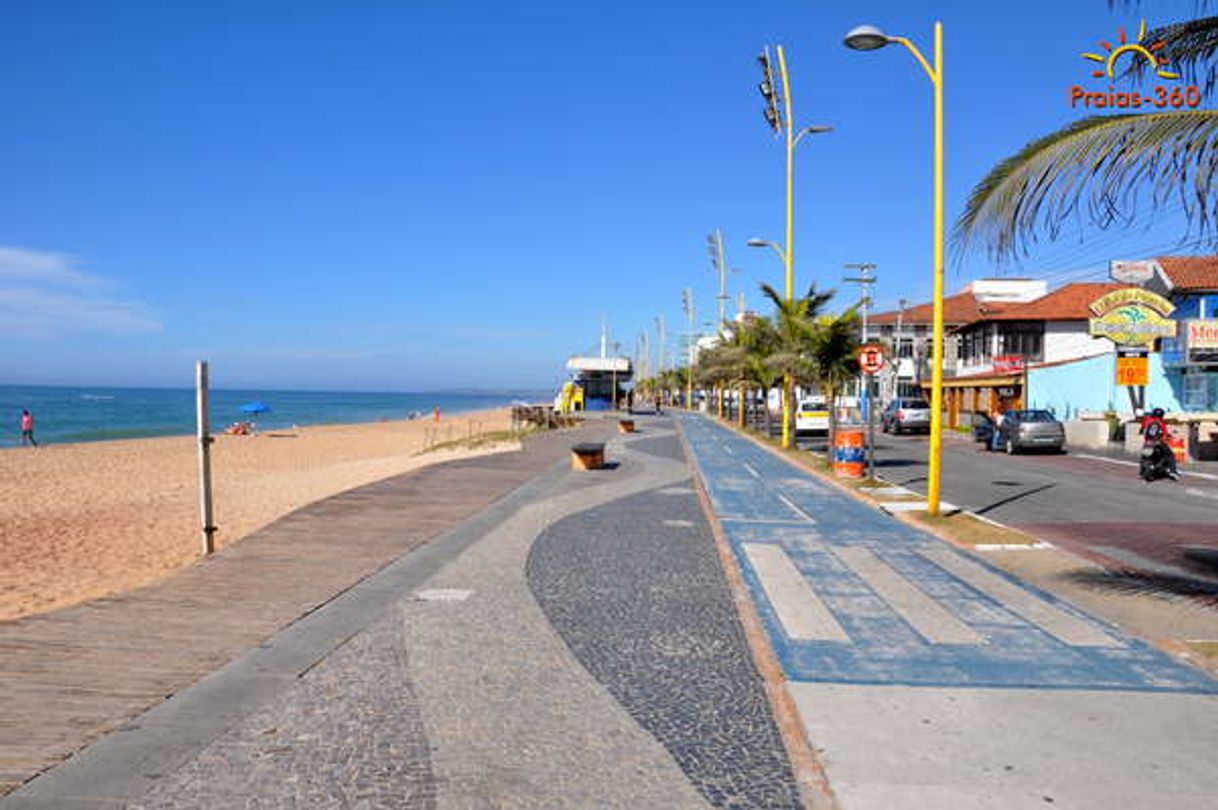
(905, 414)
(1031, 430)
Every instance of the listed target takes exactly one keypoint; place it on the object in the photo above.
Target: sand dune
(79, 521)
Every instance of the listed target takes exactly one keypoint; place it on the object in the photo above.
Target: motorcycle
(1155, 462)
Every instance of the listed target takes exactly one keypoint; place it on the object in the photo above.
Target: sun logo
(1136, 49)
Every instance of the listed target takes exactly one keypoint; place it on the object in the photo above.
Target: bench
(588, 456)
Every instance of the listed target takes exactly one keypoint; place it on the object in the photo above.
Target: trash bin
(849, 452)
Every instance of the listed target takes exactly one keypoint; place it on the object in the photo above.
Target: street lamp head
(816, 130)
(866, 38)
(755, 242)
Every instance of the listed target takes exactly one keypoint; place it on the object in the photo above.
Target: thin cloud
(44, 295)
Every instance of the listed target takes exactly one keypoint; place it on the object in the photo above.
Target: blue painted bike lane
(849, 594)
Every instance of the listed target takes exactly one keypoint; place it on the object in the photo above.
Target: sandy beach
(80, 521)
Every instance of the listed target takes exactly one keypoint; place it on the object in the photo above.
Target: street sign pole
(871, 361)
(870, 426)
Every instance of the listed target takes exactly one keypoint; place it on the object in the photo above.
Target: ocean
(65, 414)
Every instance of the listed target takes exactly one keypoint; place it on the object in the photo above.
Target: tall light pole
(780, 116)
(691, 312)
(714, 244)
(870, 38)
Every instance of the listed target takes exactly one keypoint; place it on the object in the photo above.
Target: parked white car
(812, 416)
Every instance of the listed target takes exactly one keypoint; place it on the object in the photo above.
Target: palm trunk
(831, 401)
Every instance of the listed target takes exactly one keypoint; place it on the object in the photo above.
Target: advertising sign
(871, 358)
(1201, 340)
(1132, 317)
(1132, 272)
(1132, 368)
(1009, 364)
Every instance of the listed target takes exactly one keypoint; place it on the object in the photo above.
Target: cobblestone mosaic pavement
(347, 734)
(894, 605)
(636, 590)
(455, 690)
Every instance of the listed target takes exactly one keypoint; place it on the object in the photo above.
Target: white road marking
(1127, 463)
(750, 468)
(794, 508)
(934, 622)
(1201, 493)
(679, 523)
(1021, 602)
(761, 521)
(804, 617)
(917, 506)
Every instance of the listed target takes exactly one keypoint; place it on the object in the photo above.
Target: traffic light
(772, 115)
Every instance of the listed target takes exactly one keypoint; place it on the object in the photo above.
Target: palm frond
(1190, 47)
(1100, 168)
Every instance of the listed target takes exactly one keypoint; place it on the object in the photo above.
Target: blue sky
(447, 193)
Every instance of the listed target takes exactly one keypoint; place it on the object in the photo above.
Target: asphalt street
(1090, 504)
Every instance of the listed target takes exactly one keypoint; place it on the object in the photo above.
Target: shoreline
(82, 520)
(218, 429)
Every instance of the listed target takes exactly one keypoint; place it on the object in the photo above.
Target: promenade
(518, 634)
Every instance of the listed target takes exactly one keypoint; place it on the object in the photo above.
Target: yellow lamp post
(783, 121)
(870, 38)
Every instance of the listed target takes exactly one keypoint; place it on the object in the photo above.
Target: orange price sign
(1133, 370)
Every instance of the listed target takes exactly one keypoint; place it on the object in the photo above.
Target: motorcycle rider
(1154, 432)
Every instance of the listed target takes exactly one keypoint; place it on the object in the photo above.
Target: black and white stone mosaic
(348, 734)
(635, 589)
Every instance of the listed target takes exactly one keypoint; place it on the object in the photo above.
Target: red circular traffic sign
(871, 358)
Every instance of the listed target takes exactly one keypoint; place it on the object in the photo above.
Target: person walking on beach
(27, 428)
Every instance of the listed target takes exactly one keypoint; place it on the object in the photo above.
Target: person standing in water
(27, 428)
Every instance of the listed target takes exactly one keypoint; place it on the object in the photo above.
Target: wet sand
(80, 521)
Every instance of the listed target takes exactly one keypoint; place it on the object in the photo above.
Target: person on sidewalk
(27, 428)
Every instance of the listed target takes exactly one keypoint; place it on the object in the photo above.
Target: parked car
(811, 416)
(1022, 430)
(905, 414)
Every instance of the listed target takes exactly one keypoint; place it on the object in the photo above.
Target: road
(1095, 506)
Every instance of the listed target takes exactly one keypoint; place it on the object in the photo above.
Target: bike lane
(848, 594)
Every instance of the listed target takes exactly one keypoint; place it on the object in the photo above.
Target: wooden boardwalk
(71, 676)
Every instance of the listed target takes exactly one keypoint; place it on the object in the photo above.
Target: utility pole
(899, 342)
(865, 280)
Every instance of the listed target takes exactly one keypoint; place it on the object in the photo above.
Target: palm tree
(1098, 168)
(794, 326)
(834, 351)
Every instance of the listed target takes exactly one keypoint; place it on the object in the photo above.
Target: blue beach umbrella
(255, 407)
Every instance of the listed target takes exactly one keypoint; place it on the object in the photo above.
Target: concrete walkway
(573, 645)
(929, 678)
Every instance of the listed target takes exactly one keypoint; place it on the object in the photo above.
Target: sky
(394, 196)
